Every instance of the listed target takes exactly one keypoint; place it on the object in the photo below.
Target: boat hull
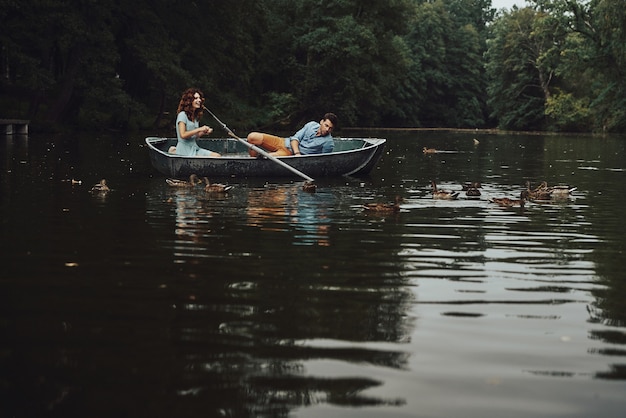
(352, 156)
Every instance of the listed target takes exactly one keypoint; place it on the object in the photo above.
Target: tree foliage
(275, 63)
(521, 69)
(572, 53)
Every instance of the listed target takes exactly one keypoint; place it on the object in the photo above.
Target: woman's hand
(205, 130)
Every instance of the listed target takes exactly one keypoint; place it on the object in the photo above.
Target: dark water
(160, 302)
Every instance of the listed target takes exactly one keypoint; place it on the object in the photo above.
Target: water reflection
(275, 207)
(192, 219)
(264, 330)
(270, 208)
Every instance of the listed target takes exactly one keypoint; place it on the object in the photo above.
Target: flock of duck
(194, 181)
(209, 187)
(102, 188)
(541, 193)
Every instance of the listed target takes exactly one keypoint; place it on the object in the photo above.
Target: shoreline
(494, 131)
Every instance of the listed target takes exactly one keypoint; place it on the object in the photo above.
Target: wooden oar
(258, 149)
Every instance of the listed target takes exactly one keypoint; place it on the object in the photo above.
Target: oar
(257, 149)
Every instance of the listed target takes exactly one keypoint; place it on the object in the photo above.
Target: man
(313, 138)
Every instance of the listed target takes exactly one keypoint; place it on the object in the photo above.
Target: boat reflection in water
(280, 207)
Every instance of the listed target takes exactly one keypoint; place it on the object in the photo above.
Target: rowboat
(351, 157)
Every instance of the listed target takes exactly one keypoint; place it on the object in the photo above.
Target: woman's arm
(185, 134)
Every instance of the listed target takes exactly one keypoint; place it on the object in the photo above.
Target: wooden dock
(14, 126)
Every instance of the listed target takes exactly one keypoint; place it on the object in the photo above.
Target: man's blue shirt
(309, 142)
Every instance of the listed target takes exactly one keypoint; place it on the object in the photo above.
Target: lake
(153, 301)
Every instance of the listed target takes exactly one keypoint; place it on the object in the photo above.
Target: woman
(188, 127)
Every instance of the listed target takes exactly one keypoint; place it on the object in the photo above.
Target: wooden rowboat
(351, 157)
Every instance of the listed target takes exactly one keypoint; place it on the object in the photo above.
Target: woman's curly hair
(186, 104)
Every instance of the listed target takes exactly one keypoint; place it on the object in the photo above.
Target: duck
(540, 192)
(429, 150)
(101, 187)
(215, 187)
(507, 202)
(471, 188)
(193, 181)
(542, 187)
(443, 194)
(472, 192)
(471, 185)
(384, 207)
(561, 191)
(309, 187)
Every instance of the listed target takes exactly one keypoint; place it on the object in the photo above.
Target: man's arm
(297, 137)
(295, 146)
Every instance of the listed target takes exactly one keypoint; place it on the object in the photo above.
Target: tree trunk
(59, 106)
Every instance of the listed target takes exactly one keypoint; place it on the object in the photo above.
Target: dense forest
(556, 65)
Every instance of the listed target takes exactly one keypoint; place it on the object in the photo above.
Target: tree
(210, 45)
(346, 56)
(603, 22)
(592, 95)
(478, 14)
(557, 65)
(522, 59)
(55, 50)
(447, 50)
